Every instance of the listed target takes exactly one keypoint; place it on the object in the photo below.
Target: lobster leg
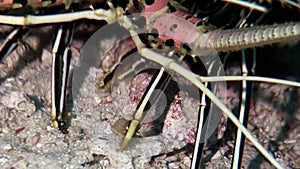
(244, 108)
(140, 110)
(201, 131)
(198, 148)
(29, 20)
(10, 42)
(160, 81)
(61, 53)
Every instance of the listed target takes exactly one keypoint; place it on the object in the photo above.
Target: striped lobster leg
(248, 68)
(61, 56)
(10, 42)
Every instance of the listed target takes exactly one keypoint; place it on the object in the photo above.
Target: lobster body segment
(177, 24)
(172, 27)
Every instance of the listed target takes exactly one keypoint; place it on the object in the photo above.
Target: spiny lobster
(221, 40)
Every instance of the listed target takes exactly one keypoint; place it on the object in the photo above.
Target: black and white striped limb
(10, 42)
(61, 54)
(248, 68)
